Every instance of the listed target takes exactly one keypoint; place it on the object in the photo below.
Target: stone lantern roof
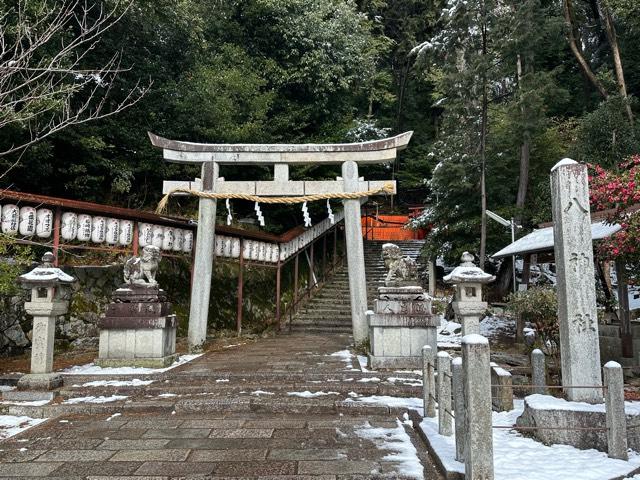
(468, 272)
(46, 274)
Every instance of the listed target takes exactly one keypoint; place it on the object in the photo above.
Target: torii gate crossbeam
(211, 156)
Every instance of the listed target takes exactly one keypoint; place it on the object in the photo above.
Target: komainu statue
(402, 269)
(142, 270)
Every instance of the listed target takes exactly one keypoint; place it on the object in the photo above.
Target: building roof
(541, 240)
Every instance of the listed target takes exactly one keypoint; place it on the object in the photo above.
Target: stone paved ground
(212, 419)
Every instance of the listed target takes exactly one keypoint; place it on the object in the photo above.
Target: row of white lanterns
(29, 222)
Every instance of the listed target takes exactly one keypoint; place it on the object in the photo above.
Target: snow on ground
(547, 402)
(92, 399)
(116, 383)
(403, 454)
(308, 394)
(6, 388)
(511, 451)
(31, 403)
(346, 356)
(393, 402)
(93, 369)
(363, 361)
(11, 425)
(450, 333)
(369, 379)
(261, 392)
(412, 382)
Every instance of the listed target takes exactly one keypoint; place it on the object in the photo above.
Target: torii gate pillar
(203, 261)
(355, 254)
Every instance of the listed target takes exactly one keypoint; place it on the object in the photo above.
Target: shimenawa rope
(387, 188)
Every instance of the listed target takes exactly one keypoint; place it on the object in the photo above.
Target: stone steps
(330, 311)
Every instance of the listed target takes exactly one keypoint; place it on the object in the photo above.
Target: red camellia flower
(619, 193)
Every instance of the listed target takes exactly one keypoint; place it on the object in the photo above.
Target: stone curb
(416, 418)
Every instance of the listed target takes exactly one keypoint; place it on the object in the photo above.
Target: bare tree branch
(45, 82)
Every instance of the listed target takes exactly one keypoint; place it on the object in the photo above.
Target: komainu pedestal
(400, 325)
(139, 327)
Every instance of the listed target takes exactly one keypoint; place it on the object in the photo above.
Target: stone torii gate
(281, 156)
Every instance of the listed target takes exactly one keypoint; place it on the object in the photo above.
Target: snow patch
(403, 456)
(512, 451)
(11, 425)
(92, 399)
(308, 394)
(116, 383)
(93, 369)
(393, 402)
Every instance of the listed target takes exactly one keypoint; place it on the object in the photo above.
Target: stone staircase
(329, 311)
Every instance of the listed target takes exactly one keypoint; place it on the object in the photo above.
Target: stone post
(614, 408)
(444, 394)
(468, 304)
(538, 372)
(478, 450)
(203, 261)
(577, 314)
(428, 382)
(355, 254)
(458, 406)
(501, 389)
(432, 276)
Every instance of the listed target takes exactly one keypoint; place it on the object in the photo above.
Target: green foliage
(539, 306)
(14, 260)
(605, 136)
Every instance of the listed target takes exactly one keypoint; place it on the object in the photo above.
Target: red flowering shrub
(619, 191)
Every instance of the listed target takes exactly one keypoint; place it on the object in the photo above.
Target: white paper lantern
(126, 232)
(112, 235)
(145, 234)
(168, 238)
(10, 219)
(275, 254)
(98, 229)
(262, 251)
(187, 244)
(158, 236)
(228, 247)
(85, 224)
(27, 226)
(178, 240)
(69, 226)
(218, 248)
(44, 223)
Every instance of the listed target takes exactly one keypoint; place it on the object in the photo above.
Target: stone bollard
(428, 382)
(614, 408)
(444, 394)
(458, 406)
(501, 389)
(478, 448)
(538, 372)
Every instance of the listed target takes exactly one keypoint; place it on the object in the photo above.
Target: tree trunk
(525, 150)
(483, 149)
(573, 44)
(617, 59)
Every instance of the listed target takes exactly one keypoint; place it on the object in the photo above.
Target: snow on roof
(46, 274)
(542, 240)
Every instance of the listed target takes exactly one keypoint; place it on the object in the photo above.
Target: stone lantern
(49, 290)
(468, 280)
